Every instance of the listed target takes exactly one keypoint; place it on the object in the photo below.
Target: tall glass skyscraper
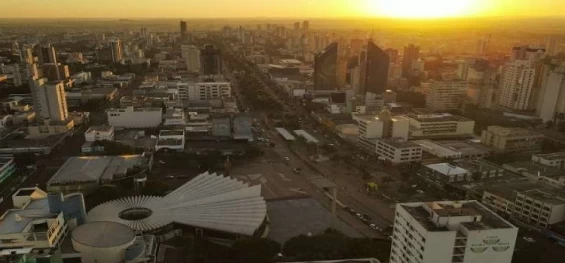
(325, 69)
(374, 74)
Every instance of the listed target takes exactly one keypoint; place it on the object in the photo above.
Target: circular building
(102, 241)
(209, 203)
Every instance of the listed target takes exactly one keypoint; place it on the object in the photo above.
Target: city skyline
(283, 9)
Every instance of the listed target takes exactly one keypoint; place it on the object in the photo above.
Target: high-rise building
(306, 26)
(451, 231)
(374, 73)
(392, 55)
(210, 61)
(445, 95)
(296, 26)
(57, 71)
(411, 54)
(551, 99)
(482, 47)
(325, 68)
(183, 29)
(49, 101)
(47, 54)
(116, 50)
(191, 54)
(144, 32)
(516, 84)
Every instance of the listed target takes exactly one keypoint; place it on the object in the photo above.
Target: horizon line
(303, 17)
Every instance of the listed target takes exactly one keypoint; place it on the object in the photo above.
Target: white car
(529, 239)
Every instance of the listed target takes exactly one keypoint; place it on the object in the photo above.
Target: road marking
(254, 177)
(284, 178)
(298, 190)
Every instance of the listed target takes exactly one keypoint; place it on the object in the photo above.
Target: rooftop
(547, 195)
(447, 169)
(466, 147)
(94, 168)
(171, 133)
(533, 168)
(479, 217)
(516, 132)
(551, 156)
(438, 117)
(399, 143)
(477, 165)
(103, 234)
(101, 128)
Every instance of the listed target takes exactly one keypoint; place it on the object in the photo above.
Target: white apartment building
(374, 127)
(99, 133)
(516, 84)
(451, 232)
(556, 160)
(30, 224)
(131, 117)
(399, 150)
(191, 54)
(49, 100)
(440, 125)
(538, 206)
(551, 99)
(204, 90)
(445, 95)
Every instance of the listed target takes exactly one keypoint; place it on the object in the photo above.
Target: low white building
(442, 125)
(99, 133)
(170, 140)
(440, 174)
(131, 117)
(204, 90)
(399, 150)
(383, 125)
(451, 231)
(32, 224)
(556, 160)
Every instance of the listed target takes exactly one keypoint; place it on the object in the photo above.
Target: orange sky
(279, 8)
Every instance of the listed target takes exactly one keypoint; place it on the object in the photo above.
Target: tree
(114, 148)
(155, 188)
(333, 245)
(255, 249)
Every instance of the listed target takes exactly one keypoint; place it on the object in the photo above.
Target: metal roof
(208, 201)
(93, 168)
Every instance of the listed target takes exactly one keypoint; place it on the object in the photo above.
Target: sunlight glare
(420, 8)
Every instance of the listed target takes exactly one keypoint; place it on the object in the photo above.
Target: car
(367, 217)
(529, 239)
(297, 170)
(286, 159)
(170, 177)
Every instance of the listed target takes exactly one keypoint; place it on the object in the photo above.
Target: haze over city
(280, 9)
(272, 131)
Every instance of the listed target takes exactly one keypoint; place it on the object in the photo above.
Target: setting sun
(420, 9)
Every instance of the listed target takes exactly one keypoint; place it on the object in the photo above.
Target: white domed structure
(209, 201)
(102, 241)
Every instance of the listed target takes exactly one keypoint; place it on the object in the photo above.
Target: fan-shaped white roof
(208, 201)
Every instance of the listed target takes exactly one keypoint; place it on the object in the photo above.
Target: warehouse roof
(94, 168)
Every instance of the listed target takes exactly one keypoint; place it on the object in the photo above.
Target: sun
(420, 8)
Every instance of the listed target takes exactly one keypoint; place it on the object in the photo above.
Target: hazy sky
(277, 8)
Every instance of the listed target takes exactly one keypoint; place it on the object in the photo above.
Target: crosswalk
(320, 181)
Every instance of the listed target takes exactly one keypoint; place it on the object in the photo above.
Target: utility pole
(334, 202)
